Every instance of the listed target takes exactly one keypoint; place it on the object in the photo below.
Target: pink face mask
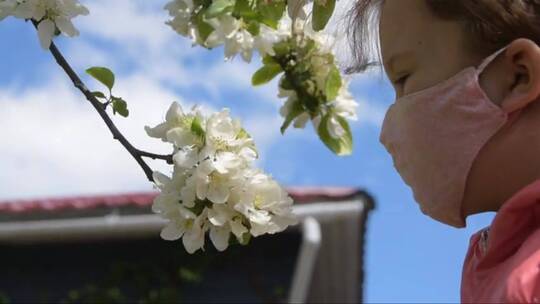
(435, 134)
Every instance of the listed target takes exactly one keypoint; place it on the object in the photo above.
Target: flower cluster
(343, 107)
(214, 186)
(240, 26)
(313, 87)
(54, 16)
(289, 43)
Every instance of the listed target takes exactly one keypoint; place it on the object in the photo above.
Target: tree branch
(167, 158)
(77, 82)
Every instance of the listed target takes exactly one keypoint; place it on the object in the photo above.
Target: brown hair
(492, 24)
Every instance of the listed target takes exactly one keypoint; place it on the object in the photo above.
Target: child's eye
(401, 80)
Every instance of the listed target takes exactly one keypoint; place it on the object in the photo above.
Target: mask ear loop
(512, 116)
(482, 67)
(488, 60)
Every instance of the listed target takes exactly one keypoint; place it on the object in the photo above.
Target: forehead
(409, 29)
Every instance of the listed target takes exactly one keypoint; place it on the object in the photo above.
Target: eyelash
(401, 79)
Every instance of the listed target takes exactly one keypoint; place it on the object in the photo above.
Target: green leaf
(203, 27)
(253, 27)
(189, 275)
(203, 3)
(268, 59)
(244, 9)
(322, 11)
(271, 12)
(308, 48)
(333, 83)
(243, 134)
(219, 7)
(282, 48)
(120, 106)
(4, 299)
(196, 127)
(246, 237)
(340, 146)
(103, 75)
(266, 73)
(295, 111)
(286, 84)
(98, 94)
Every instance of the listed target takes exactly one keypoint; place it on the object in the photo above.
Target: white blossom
(265, 204)
(170, 193)
(176, 128)
(210, 184)
(182, 12)
(51, 15)
(6, 8)
(189, 227)
(225, 220)
(301, 120)
(222, 130)
(230, 32)
(214, 187)
(267, 37)
(345, 105)
(220, 237)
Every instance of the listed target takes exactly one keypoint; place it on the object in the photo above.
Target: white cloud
(54, 143)
(370, 114)
(129, 22)
(81, 54)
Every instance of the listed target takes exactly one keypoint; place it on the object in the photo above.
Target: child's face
(420, 46)
(419, 50)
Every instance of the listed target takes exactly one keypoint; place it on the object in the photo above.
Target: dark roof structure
(338, 214)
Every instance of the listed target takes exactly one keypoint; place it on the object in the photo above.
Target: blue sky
(53, 143)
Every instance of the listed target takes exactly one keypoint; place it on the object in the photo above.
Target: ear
(522, 57)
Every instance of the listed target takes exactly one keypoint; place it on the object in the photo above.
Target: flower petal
(175, 113)
(66, 26)
(220, 237)
(161, 180)
(185, 158)
(187, 194)
(238, 228)
(219, 215)
(193, 239)
(218, 193)
(24, 10)
(173, 231)
(180, 137)
(159, 131)
(46, 32)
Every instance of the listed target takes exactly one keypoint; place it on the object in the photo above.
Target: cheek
(486, 176)
(502, 167)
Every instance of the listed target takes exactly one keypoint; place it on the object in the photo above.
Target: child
(464, 132)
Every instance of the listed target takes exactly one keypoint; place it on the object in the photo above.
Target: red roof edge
(142, 199)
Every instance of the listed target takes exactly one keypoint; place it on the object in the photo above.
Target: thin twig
(77, 82)
(167, 158)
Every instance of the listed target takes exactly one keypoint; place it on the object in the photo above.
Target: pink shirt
(502, 264)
